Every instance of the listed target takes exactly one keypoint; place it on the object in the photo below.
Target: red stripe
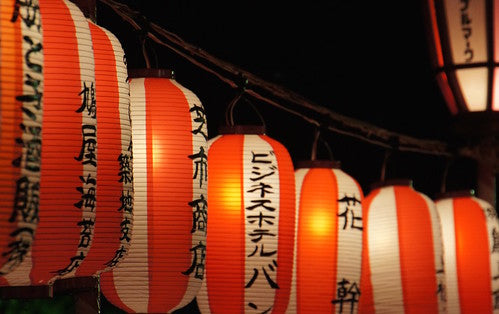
(472, 257)
(287, 214)
(443, 83)
(417, 260)
(435, 33)
(61, 124)
(110, 293)
(107, 230)
(366, 300)
(225, 236)
(317, 243)
(169, 190)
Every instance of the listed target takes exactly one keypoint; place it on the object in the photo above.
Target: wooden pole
(486, 181)
(487, 169)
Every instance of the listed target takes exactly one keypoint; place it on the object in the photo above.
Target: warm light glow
(403, 262)
(473, 84)
(470, 260)
(495, 91)
(465, 31)
(250, 237)
(321, 222)
(230, 196)
(157, 151)
(328, 239)
(164, 268)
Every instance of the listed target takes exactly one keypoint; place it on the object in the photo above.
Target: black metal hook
(241, 90)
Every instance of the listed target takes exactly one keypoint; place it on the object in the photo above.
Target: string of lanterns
(110, 172)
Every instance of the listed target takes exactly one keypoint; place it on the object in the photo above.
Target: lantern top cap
(391, 182)
(455, 194)
(155, 73)
(318, 164)
(242, 129)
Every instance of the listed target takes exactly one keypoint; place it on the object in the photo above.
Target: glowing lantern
(251, 192)
(465, 55)
(328, 239)
(113, 223)
(68, 175)
(470, 234)
(21, 112)
(402, 270)
(165, 263)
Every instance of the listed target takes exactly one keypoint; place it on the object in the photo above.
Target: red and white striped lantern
(68, 176)
(470, 234)
(402, 270)
(250, 239)
(113, 223)
(165, 263)
(21, 112)
(326, 276)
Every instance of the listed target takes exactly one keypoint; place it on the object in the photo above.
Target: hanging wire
(336, 122)
(317, 137)
(144, 53)
(229, 112)
(445, 173)
(386, 156)
(313, 155)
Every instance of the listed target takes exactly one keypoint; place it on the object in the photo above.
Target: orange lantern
(113, 224)
(402, 270)
(250, 238)
(21, 112)
(327, 267)
(470, 234)
(463, 37)
(165, 263)
(69, 159)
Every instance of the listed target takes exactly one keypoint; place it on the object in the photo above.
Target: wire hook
(229, 113)
(317, 137)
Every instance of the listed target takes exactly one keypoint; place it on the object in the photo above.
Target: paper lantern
(21, 112)
(326, 277)
(470, 233)
(68, 176)
(251, 192)
(113, 223)
(402, 270)
(165, 263)
(464, 46)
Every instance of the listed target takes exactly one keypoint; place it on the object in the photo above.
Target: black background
(367, 60)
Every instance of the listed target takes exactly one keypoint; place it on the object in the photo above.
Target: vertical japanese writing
(124, 160)
(440, 274)
(495, 240)
(125, 176)
(495, 295)
(350, 212)
(493, 225)
(466, 29)
(88, 159)
(260, 215)
(200, 120)
(347, 296)
(199, 203)
(26, 199)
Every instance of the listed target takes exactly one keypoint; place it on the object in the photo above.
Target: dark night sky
(366, 60)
